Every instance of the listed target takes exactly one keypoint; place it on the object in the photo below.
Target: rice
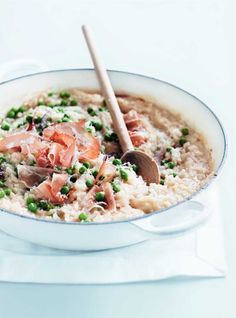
(183, 156)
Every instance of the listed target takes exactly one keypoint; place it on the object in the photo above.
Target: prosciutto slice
(110, 200)
(136, 128)
(25, 142)
(50, 189)
(133, 120)
(138, 137)
(107, 171)
(31, 176)
(73, 137)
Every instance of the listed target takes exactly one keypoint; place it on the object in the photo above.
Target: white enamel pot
(180, 218)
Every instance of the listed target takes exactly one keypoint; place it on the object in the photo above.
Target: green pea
(171, 165)
(114, 136)
(29, 119)
(100, 196)
(73, 179)
(64, 102)
(5, 126)
(2, 159)
(174, 174)
(30, 200)
(116, 162)
(69, 171)
(185, 131)
(91, 111)
(163, 162)
(40, 103)
(182, 141)
(65, 190)
(45, 205)
(110, 136)
(162, 182)
(135, 168)
(2, 183)
(116, 187)
(82, 169)
(33, 207)
(65, 119)
(107, 137)
(95, 173)
(83, 216)
(38, 120)
(21, 109)
(2, 194)
(64, 94)
(97, 125)
(7, 191)
(73, 102)
(89, 183)
(124, 175)
(50, 94)
(89, 130)
(168, 149)
(11, 114)
(87, 165)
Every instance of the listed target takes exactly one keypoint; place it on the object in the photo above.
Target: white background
(189, 43)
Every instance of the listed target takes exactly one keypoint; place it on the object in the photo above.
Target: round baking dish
(183, 216)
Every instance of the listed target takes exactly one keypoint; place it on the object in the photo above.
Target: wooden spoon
(147, 166)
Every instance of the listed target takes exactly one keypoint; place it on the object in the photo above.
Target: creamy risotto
(60, 158)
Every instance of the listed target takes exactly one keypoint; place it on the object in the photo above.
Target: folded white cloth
(198, 254)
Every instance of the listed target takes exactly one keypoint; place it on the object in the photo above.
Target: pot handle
(17, 68)
(182, 218)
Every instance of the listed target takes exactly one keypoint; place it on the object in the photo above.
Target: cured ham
(31, 176)
(41, 157)
(19, 140)
(89, 199)
(90, 150)
(133, 120)
(68, 155)
(110, 199)
(106, 172)
(136, 128)
(53, 154)
(73, 136)
(50, 189)
(68, 128)
(61, 145)
(138, 137)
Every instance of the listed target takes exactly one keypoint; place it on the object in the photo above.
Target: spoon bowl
(147, 166)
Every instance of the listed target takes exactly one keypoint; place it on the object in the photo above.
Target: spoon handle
(112, 104)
